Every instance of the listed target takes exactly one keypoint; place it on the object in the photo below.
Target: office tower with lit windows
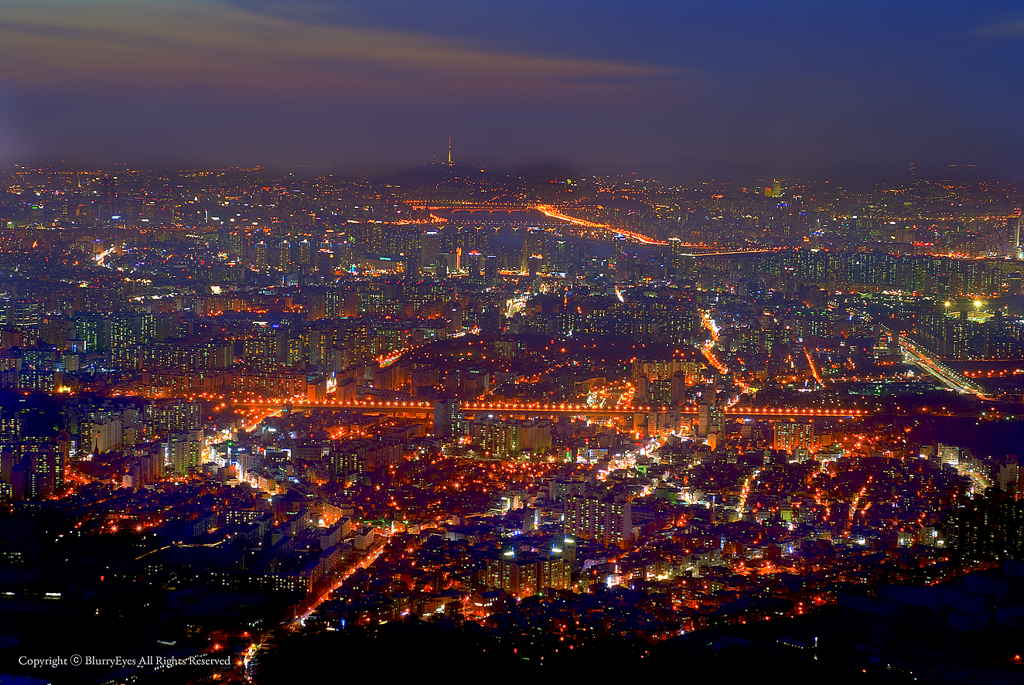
(430, 248)
(447, 419)
(108, 205)
(710, 419)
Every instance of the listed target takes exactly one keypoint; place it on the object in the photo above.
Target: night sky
(350, 84)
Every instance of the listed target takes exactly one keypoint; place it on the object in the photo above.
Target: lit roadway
(554, 213)
(979, 480)
(922, 358)
(364, 562)
(420, 407)
(745, 492)
(311, 603)
(814, 368)
(709, 353)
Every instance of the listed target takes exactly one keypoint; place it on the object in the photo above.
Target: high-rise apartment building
(793, 436)
(604, 517)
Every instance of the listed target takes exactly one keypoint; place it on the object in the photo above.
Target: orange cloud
(140, 46)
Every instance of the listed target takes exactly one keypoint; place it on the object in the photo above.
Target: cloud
(1006, 28)
(231, 51)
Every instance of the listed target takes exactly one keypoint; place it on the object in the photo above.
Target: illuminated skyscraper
(491, 269)
(430, 247)
(447, 418)
(1018, 247)
(108, 197)
(710, 419)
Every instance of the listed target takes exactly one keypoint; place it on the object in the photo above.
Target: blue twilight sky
(786, 83)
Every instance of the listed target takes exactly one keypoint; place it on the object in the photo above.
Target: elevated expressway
(422, 408)
(920, 356)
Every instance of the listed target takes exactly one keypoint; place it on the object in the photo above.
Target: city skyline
(595, 424)
(562, 339)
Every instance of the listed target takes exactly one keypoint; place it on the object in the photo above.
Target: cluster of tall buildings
(363, 402)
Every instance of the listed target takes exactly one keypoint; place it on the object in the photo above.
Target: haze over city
(583, 342)
(603, 84)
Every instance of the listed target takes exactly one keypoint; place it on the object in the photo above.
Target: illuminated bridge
(923, 358)
(600, 231)
(538, 408)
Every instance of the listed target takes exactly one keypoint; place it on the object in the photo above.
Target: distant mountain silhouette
(846, 173)
(855, 175)
(556, 169)
(690, 170)
(720, 169)
(456, 173)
